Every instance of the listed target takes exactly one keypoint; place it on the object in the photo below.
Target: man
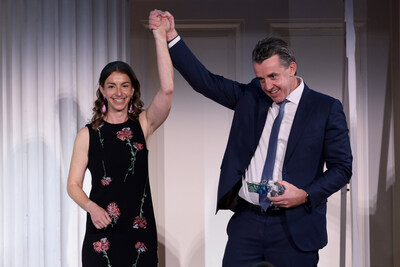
(286, 229)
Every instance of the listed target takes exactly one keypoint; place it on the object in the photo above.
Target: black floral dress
(119, 168)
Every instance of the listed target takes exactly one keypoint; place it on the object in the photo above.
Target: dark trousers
(254, 238)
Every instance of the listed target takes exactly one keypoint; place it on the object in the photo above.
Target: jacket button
(239, 172)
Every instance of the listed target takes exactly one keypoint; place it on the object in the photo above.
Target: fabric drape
(52, 52)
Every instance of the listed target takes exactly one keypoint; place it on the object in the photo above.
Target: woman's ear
(102, 91)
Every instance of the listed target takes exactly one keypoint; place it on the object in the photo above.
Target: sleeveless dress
(119, 167)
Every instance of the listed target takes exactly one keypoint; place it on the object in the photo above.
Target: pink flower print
(138, 145)
(101, 247)
(125, 133)
(121, 135)
(106, 181)
(139, 223)
(98, 246)
(113, 212)
(140, 247)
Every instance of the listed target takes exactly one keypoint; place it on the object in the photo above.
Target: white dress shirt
(255, 169)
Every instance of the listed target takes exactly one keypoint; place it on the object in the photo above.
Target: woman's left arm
(159, 108)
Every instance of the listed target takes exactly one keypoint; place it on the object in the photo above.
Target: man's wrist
(173, 41)
(307, 199)
(171, 35)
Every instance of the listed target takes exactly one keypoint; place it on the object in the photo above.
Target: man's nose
(268, 85)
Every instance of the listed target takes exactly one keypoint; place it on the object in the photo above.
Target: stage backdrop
(52, 52)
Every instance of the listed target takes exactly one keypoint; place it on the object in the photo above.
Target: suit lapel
(265, 103)
(303, 113)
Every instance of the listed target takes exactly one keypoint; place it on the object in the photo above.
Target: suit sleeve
(337, 155)
(221, 90)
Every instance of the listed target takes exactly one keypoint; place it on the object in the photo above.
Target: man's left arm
(337, 155)
(338, 158)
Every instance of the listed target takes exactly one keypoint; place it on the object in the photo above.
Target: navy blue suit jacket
(319, 135)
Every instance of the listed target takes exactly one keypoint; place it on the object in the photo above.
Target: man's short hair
(271, 46)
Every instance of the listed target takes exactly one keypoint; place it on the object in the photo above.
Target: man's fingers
(154, 19)
(155, 12)
(169, 16)
(166, 14)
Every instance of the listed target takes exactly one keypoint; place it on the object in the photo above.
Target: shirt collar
(295, 95)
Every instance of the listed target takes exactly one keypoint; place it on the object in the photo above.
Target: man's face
(276, 80)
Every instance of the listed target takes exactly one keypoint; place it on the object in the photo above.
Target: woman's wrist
(89, 205)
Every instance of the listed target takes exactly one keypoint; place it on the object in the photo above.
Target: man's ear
(292, 68)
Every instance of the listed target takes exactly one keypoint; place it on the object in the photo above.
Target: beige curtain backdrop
(52, 52)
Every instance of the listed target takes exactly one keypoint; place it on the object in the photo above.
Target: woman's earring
(104, 108)
(131, 107)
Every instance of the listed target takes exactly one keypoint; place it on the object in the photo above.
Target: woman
(120, 228)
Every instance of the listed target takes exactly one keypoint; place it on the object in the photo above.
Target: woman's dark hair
(271, 46)
(137, 104)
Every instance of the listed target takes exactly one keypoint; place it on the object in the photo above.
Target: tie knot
(283, 103)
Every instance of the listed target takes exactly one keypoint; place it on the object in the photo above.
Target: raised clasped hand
(164, 20)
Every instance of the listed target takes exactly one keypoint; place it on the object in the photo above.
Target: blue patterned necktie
(271, 154)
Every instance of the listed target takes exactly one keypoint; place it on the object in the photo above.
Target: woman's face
(118, 91)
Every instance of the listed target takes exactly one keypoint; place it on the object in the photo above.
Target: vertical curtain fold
(51, 54)
(359, 223)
